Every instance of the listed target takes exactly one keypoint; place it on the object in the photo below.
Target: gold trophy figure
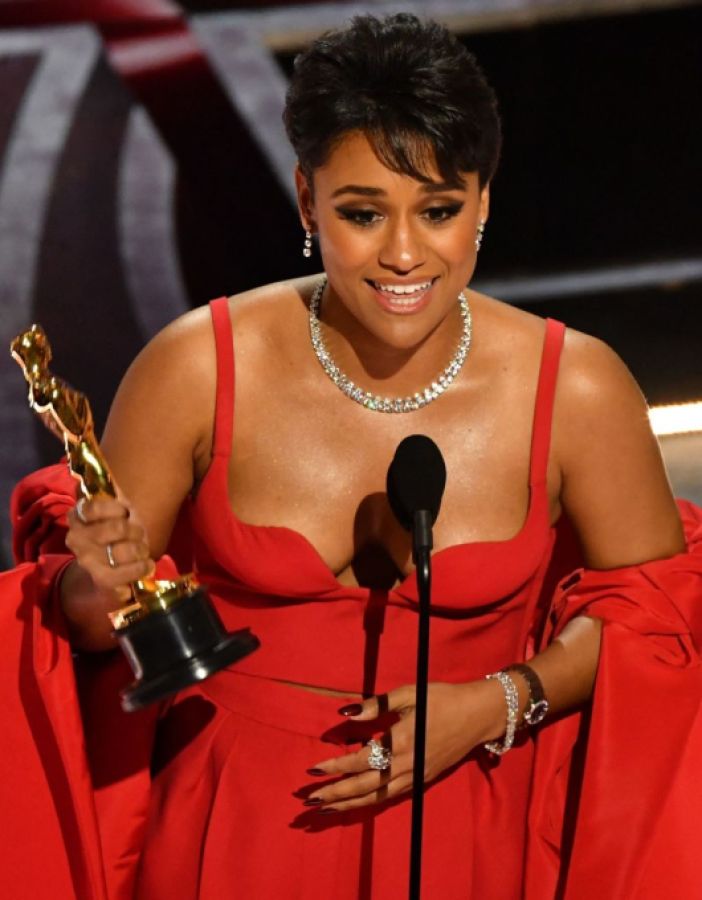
(168, 630)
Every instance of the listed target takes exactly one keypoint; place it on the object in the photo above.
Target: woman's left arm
(614, 490)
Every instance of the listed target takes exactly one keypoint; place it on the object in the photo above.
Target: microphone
(415, 486)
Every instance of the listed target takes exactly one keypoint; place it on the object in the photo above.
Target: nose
(402, 250)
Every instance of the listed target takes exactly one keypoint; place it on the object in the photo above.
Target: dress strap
(224, 397)
(545, 393)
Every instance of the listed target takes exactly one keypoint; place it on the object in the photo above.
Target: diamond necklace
(375, 401)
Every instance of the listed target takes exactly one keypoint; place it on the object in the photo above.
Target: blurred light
(678, 418)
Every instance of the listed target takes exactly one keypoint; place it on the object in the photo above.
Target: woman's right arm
(157, 442)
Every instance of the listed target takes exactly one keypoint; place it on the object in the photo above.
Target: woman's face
(396, 251)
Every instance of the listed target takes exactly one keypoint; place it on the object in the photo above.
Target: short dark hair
(409, 85)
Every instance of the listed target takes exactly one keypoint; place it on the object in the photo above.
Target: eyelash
(435, 215)
(448, 211)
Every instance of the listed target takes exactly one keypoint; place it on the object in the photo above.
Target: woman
(261, 788)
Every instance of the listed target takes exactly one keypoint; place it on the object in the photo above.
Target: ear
(484, 205)
(305, 200)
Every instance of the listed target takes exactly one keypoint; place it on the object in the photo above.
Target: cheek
(459, 242)
(343, 247)
(458, 248)
(457, 256)
(457, 252)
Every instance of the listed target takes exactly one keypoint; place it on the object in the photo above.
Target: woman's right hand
(109, 543)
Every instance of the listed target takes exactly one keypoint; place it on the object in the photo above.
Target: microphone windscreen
(416, 479)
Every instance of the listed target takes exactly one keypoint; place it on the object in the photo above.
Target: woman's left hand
(459, 717)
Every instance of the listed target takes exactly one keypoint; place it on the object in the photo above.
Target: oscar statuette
(169, 631)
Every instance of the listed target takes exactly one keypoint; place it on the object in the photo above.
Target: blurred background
(144, 170)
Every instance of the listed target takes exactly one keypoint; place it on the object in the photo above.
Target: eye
(362, 217)
(438, 214)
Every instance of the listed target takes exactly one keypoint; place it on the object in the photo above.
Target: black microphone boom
(415, 484)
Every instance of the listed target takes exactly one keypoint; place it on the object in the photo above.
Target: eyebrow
(431, 187)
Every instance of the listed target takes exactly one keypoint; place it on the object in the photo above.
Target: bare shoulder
(185, 346)
(183, 355)
(611, 480)
(506, 338)
(158, 436)
(181, 362)
(614, 484)
(600, 411)
(501, 319)
(591, 375)
(594, 375)
(271, 315)
(178, 362)
(271, 299)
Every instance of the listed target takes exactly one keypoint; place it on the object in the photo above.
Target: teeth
(396, 301)
(403, 289)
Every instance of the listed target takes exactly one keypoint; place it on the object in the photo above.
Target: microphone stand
(421, 554)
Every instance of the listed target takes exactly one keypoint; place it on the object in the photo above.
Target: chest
(320, 470)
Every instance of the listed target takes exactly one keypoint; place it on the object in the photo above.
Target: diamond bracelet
(512, 700)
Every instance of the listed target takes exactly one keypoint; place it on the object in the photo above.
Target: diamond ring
(379, 757)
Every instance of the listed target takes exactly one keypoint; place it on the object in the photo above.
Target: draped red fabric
(79, 791)
(616, 794)
(50, 843)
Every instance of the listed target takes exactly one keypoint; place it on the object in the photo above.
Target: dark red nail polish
(325, 812)
(353, 709)
(312, 801)
(316, 772)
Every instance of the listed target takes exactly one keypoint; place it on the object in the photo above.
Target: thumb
(399, 700)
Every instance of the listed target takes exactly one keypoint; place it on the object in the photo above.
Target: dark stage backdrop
(144, 170)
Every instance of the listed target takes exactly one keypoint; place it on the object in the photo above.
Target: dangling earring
(479, 235)
(307, 249)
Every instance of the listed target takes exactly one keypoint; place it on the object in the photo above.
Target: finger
(125, 552)
(115, 531)
(111, 531)
(348, 764)
(107, 578)
(357, 785)
(85, 540)
(394, 788)
(398, 700)
(352, 763)
(397, 739)
(87, 511)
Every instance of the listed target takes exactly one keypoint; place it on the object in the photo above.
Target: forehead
(354, 160)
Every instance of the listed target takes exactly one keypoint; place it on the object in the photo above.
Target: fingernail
(325, 812)
(353, 709)
(312, 801)
(316, 772)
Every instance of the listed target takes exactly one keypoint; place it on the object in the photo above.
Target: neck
(379, 366)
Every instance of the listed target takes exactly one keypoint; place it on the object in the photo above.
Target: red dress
(226, 810)
(197, 799)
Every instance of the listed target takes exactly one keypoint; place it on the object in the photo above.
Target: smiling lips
(403, 298)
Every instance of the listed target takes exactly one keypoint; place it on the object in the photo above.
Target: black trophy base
(172, 649)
